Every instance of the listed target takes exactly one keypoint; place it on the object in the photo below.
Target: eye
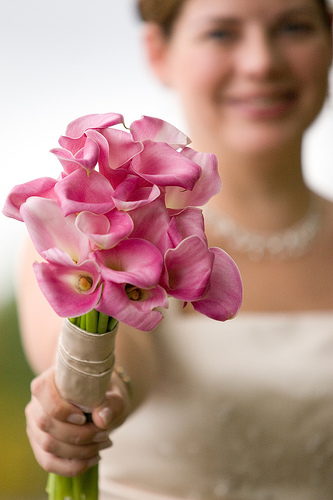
(222, 34)
(296, 28)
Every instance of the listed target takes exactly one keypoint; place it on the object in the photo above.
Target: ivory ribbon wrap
(84, 365)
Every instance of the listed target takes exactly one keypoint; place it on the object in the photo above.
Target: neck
(264, 192)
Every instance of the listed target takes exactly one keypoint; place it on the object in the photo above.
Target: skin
(251, 77)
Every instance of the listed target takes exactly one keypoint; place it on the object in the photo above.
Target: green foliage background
(21, 478)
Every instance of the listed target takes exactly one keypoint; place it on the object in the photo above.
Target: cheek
(198, 74)
(312, 67)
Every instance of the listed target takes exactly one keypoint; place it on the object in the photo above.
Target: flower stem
(84, 486)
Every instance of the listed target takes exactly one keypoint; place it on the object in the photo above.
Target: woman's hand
(62, 440)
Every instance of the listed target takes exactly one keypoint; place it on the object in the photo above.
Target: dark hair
(165, 12)
(161, 12)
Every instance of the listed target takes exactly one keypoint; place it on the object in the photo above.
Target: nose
(258, 55)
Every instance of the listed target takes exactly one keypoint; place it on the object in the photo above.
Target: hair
(165, 12)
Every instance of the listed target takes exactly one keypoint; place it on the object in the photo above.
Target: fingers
(44, 390)
(59, 445)
(116, 406)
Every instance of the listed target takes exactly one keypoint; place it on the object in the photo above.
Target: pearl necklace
(291, 243)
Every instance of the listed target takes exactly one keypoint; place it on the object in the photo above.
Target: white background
(61, 59)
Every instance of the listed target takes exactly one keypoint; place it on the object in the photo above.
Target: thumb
(103, 416)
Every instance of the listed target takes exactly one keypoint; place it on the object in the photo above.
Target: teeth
(264, 101)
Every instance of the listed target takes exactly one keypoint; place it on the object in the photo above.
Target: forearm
(39, 325)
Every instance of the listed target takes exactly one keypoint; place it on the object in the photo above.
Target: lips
(262, 104)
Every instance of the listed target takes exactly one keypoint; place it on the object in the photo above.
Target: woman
(244, 409)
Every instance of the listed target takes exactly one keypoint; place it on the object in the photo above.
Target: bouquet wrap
(84, 365)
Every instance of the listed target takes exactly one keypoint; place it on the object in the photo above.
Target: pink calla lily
(105, 231)
(43, 187)
(119, 150)
(207, 186)
(134, 192)
(223, 298)
(156, 231)
(139, 312)
(189, 267)
(155, 129)
(134, 261)
(71, 289)
(48, 228)
(87, 157)
(75, 136)
(184, 223)
(160, 164)
(79, 192)
(112, 234)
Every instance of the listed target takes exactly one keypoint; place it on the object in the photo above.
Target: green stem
(103, 321)
(84, 486)
(92, 321)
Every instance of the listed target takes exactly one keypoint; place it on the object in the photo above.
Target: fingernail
(105, 445)
(77, 419)
(106, 416)
(100, 437)
(93, 461)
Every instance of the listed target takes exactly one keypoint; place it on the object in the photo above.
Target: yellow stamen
(85, 283)
(133, 292)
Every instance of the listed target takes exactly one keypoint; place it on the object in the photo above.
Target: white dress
(243, 410)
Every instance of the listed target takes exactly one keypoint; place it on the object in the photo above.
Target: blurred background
(59, 60)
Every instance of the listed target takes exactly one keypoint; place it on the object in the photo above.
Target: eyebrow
(235, 19)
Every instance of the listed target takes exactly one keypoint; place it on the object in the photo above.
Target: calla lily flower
(117, 149)
(75, 137)
(155, 129)
(71, 289)
(105, 231)
(184, 223)
(49, 229)
(121, 228)
(131, 272)
(43, 187)
(207, 186)
(134, 192)
(160, 164)
(157, 230)
(223, 297)
(87, 157)
(79, 192)
(132, 305)
(134, 261)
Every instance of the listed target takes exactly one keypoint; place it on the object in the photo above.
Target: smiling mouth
(262, 105)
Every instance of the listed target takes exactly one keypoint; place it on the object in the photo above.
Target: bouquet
(119, 231)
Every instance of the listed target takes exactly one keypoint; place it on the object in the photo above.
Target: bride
(241, 410)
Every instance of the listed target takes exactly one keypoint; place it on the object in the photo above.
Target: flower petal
(86, 157)
(188, 268)
(208, 185)
(132, 261)
(184, 223)
(60, 285)
(151, 222)
(134, 192)
(42, 187)
(138, 314)
(82, 192)
(48, 228)
(121, 146)
(224, 295)
(160, 164)
(106, 231)
(74, 139)
(158, 130)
